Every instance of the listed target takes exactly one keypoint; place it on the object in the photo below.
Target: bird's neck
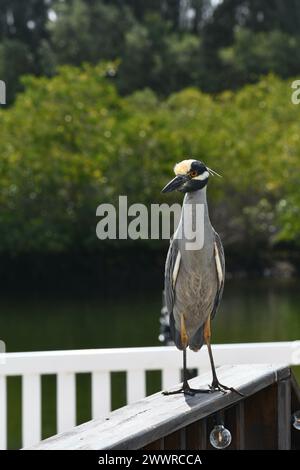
(196, 197)
(195, 219)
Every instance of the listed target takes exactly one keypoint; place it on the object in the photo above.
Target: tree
(88, 31)
(71, 142)
(24, 21)
(156, 57)
(230, 16)
(15, 61)
(255, 54)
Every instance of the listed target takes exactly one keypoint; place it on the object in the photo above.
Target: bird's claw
(187, 390)
(176, 392)
(218, 387)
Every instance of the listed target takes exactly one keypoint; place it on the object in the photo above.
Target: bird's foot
(216, 386)
(187, 390)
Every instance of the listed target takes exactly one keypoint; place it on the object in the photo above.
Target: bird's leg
(185, 385)
(216, 386)
(186, 389)
(184, 341)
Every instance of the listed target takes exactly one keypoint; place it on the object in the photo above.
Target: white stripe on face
(202, 177)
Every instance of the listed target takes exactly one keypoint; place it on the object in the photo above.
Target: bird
(194, 278)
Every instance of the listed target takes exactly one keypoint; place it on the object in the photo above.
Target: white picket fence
(100, 363)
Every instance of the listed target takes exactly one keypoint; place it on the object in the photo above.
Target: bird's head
(191, 175)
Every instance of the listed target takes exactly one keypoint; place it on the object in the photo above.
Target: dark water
(250, 311)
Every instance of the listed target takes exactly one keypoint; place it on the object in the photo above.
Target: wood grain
(157, 416)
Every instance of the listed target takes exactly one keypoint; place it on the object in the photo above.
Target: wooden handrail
(261, 419)
(100, 363)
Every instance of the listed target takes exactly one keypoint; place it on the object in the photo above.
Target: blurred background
(103, 98)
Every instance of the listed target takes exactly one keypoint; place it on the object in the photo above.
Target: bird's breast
(195, 293)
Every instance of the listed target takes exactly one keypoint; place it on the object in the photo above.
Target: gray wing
(220, 266)
(169, 270)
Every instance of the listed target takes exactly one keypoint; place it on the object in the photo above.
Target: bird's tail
(175, 334)
(197, 341)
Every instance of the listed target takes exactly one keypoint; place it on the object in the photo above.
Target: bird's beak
(176, 183)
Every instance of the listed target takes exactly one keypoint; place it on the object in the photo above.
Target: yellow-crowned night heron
(194, 278)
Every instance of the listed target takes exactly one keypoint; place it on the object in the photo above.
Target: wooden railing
(100, 363)
(259, 420)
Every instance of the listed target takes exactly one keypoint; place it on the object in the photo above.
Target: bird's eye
(193, 173)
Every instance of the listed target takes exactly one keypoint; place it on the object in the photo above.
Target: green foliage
(88, 32)
(15, 60)
(255, 54)
(71, 142)
(155, 57)
(54, 143)
(165, 46)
